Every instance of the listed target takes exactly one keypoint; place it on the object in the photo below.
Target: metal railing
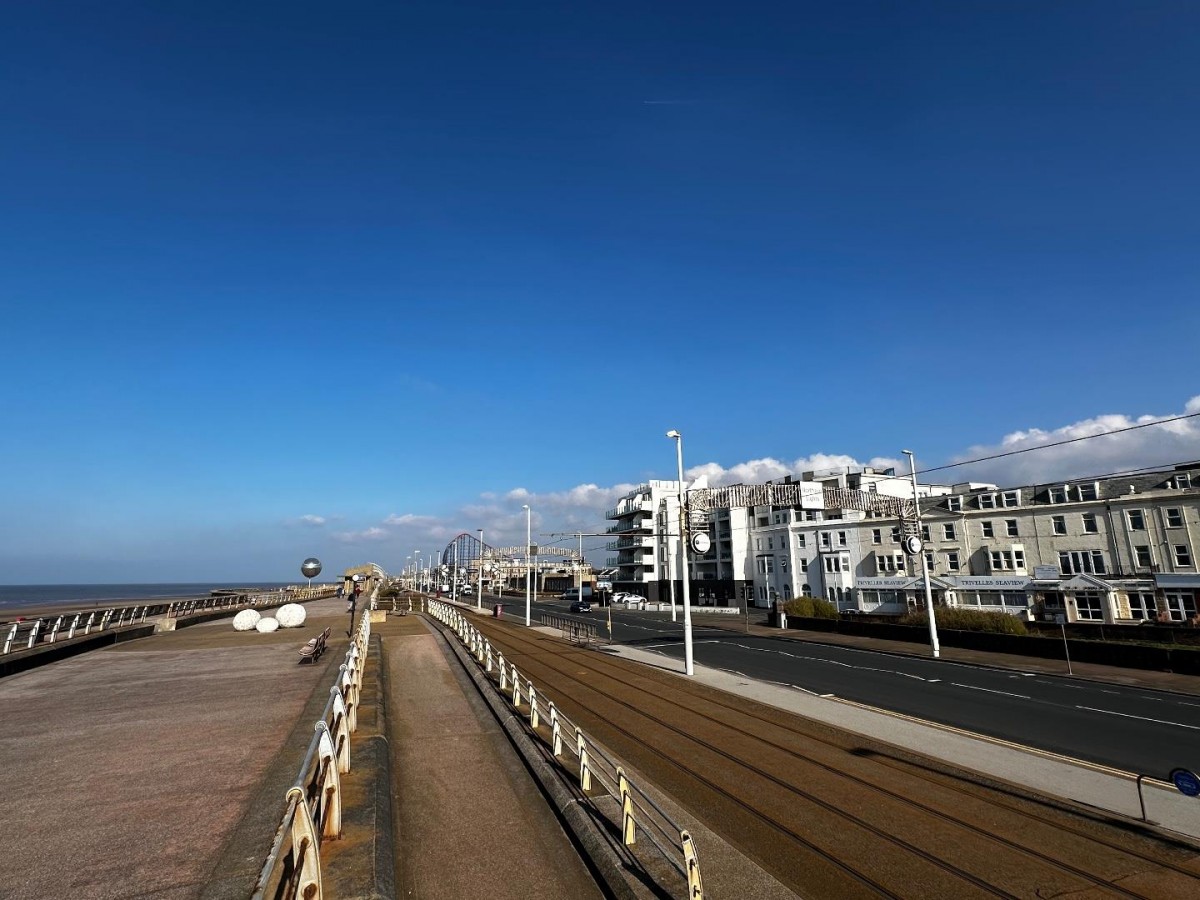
(599, 776)
(576, 632)
(25, 634)
(313, 810)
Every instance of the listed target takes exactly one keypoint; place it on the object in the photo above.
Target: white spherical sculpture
(246, 620)
(267, 625)
(291, 615)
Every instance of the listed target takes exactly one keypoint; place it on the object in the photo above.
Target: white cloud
(1149, 447)
(367, 535)
(312, 520)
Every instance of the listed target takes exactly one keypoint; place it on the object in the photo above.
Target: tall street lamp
(683, 560)
(417, 580)
(933, 636)
(528, 575)
(479, 575)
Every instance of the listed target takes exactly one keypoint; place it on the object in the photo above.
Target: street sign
(1186, 781)
(533, 549)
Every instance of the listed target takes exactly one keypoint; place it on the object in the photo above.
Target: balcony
(628, 508)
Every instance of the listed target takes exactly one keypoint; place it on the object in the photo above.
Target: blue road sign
(1186, 781)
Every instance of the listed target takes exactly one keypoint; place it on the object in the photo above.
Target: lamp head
(524, 506)
(674, 434)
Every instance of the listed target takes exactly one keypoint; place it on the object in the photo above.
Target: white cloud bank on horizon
(582, 508)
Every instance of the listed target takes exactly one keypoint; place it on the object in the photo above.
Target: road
(1134, 729)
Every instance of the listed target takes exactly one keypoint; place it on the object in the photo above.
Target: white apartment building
(1111, 550)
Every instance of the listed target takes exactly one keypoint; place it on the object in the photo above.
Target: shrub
(970, 620)
(810, 608)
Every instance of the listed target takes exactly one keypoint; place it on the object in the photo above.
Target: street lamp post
(417, 580)
(528, 574)
(454, 575)
(683, 560)
(479, 575)
(933, 636)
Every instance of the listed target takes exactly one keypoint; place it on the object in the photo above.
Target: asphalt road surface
(1133, 729)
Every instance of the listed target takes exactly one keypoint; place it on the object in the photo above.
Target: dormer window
(1058, 494)
(987, 501)
(954, 504)
(1180, 480)
(1088, 491)
(1010, 498)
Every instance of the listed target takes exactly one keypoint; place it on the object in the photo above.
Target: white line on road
(1142, 718)
(971, 687)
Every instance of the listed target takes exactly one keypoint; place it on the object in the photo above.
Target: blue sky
(298, 279)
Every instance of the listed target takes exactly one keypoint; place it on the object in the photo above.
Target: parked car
(581, 606)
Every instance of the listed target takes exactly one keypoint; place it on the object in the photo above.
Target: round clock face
(912, 545)
(701, 542)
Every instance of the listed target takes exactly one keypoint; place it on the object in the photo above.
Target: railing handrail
(616, 783)
(313, 802)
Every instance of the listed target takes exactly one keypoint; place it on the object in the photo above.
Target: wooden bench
(315, 647)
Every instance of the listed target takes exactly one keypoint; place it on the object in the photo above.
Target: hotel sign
(882, 583)
(992, 582)
(812, 495)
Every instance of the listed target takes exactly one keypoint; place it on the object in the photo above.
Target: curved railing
(313, 810)
(639, 814)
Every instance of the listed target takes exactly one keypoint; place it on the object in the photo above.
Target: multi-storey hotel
(1118, 549)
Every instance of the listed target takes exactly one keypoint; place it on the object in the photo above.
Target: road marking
(971, 687)
(1142, 718)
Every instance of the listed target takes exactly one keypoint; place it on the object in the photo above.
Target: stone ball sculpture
(267, 625)
(246, 620)
(291, 615)
(311, 567)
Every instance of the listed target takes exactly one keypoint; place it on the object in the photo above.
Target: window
(1059, 524)
(1181, 605)
(841, 539)
(1182, 556)
(758, 543)
(803, 564)
(876, 535)
(1007, 560)
(1141, 606)
(1058, 494)
(1010, 498)
(929, 560)
(1078, 562)
(987, 501)
(1174, 517)
(1088, 491)
(833, 564)
(954, 504)
(986, 527)
(1181, 481)
(1089, 524)
(895, 534)
(925, 533)
(825, 539)
(1141, 555)
(1137, 522)
(948, 531)
(1088, 605)
(889, 562)
(770, 543)
(810, 515)
(1010, 526)
(801, 540)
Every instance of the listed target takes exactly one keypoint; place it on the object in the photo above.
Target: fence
(314, 800)
(599, 776)
(577, 632)
(25, 634)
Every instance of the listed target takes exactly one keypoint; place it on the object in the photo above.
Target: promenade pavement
(157, 768)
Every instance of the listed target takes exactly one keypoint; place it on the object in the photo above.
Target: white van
(573, 593)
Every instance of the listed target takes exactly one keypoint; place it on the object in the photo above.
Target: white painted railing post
(628, 826)
(332, 788)
(516, 685)
(487, 668)
(555, 731)
(87, 629)
(533, 707)
(33, 633)
(585, 771)
(503, 674)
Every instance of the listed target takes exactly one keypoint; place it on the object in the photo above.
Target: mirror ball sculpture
(311, 567)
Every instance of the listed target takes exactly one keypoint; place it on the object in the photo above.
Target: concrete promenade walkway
(157, 768)
(470, 820)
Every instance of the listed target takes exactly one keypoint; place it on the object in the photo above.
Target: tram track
(736, 759)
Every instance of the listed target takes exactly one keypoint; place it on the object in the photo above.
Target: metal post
(1066, 648)
(528, 570)
(683, 559)
(454, 575)
(479, 575)
(933, 636)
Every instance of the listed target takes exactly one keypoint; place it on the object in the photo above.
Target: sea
(15, 597)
